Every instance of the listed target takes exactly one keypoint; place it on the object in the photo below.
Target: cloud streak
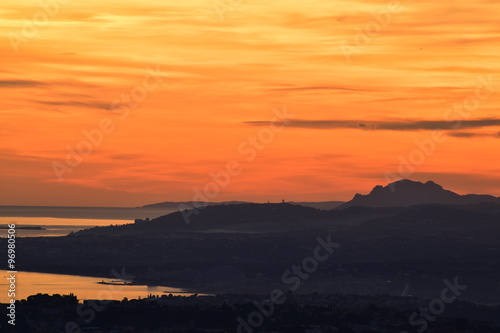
(386, 125)
(94, 105)
(20, 83)
(318, 88)
(467, 135)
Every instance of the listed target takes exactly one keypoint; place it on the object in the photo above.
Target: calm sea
(60, 221)
(52, 226)
(84, 287)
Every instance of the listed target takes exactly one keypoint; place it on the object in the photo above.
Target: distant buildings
(139, 221)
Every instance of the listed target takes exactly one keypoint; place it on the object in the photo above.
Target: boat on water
(115, 282)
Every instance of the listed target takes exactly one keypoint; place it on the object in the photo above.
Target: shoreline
(185, 289)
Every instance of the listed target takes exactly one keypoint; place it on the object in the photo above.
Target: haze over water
(54, 226)
(60, 221)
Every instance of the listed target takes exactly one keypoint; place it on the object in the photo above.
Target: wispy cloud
(94, 105)
(386, 125)
(467, 135)
(315, 88)
(20, 83)
(13, 83)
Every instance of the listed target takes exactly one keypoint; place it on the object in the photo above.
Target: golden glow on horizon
(216, 75)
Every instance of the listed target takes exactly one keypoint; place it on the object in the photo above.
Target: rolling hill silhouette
(324, 205)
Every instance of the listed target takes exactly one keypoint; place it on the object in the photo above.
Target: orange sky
(358, 93)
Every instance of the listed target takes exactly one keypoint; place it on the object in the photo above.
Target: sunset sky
(209, 75)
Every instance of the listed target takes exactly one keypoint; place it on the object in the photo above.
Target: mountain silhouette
(405, 193)
(383, 204)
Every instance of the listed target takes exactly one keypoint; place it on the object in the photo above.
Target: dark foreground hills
(234, 313)
(389, 250)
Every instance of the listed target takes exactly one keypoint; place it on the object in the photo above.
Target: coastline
(186, 288)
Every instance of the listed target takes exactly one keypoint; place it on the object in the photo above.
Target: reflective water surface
(31, 283)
